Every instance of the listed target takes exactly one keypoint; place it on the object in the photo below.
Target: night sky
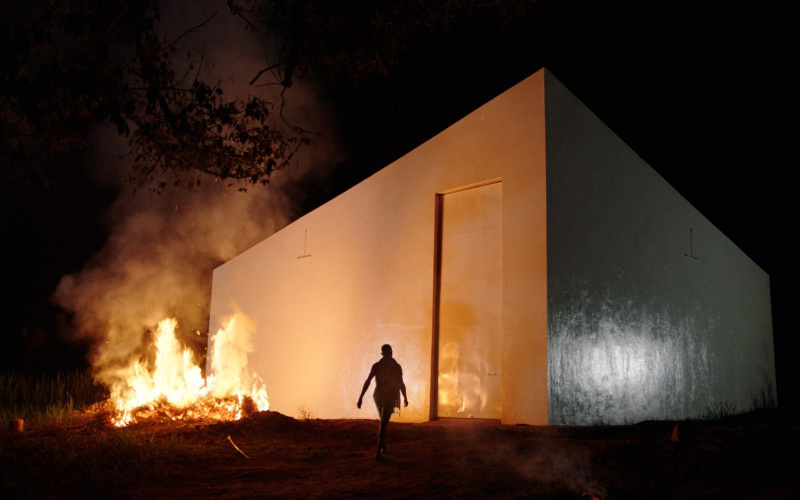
(701, 94)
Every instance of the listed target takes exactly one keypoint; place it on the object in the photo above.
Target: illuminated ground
(740, 457)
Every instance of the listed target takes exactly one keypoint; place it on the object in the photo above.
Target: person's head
(386, 350)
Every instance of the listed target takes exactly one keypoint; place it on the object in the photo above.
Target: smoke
(157, 262)
(566, 467)
(556, 465)
(159, 257)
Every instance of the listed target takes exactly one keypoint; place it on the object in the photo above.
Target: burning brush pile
(168, 383)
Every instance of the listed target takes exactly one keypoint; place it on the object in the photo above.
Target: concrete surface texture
(653, 312)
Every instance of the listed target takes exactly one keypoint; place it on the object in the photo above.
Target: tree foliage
(69, 65)
(357, 39)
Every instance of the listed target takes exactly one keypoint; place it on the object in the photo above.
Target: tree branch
(258, 75)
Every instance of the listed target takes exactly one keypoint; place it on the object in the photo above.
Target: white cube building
(526, 265)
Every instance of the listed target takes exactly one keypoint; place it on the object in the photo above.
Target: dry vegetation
(744, 456)
(43, 400)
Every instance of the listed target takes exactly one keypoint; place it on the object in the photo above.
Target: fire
(174, 386)
(459, 393)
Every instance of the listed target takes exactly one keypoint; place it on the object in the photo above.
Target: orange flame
(175, 386)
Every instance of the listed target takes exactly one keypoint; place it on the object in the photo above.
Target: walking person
(388, 386)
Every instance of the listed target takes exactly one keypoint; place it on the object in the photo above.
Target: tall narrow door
(470, 303)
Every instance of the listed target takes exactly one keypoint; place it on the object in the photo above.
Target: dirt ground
(752, 456)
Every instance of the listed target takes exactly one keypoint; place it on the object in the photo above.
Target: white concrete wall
(638, 330)
(321, 320)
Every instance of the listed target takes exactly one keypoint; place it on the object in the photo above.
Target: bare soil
(752, 456)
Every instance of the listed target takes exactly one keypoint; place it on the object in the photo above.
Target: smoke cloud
(556, 466)
(161, 251)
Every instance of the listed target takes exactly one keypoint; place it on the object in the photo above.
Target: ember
(174, 388)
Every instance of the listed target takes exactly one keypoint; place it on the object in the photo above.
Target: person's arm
(403, 388)
(366, 386)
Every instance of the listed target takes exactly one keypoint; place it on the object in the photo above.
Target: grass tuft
(42, 399)
(718, 411)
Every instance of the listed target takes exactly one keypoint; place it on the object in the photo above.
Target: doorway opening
(467, 309)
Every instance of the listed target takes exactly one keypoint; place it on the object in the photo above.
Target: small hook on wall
(305, 241)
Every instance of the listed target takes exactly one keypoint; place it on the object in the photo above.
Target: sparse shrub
(718, 411)
(305, 412)
(762, 400)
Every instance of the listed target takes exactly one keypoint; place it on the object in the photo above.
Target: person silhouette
(388, 385)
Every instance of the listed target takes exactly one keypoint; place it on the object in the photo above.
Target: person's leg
(381, 430)
(384, 413)
(385, 416)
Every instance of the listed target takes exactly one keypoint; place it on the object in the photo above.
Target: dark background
(699, 91)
